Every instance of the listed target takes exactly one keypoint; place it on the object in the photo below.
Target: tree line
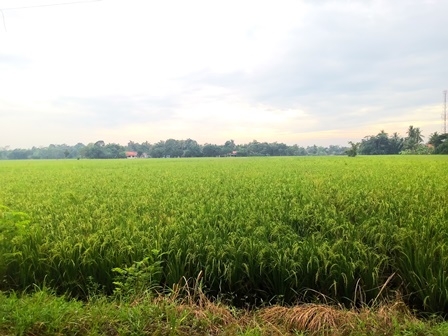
(380, 144)
(412, 143)
(167, 148)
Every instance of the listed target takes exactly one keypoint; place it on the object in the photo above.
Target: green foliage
(413, 140)
(440, 143)
(381, 144)
(418, 150)
(353, 151)
(442, 148)
(141, 276)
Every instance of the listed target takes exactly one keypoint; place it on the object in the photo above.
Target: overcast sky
(305, 72)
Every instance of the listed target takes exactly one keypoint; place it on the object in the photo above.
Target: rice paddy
(249, 230)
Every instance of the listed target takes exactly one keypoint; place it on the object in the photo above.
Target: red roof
(131, 153)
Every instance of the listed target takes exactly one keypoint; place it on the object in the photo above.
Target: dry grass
(312, 318)
(317, 319)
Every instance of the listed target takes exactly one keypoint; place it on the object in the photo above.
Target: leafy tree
(191, 148)
(228, 147)
(311, 150)
(19, 154)
(158, 150)
(395, 144)
(133, 146)
(230, 144)
(210, 150)
(440, 143)
(336, 150)
(4, 153)
(353, 151)
(173, 148)
(145, 147)
(381, 144)
(114, 151)
(295, 150)
(434, 139)
(94, 151)
(442, 148)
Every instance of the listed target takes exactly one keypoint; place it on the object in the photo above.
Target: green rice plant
(423, 265)
(258, 229)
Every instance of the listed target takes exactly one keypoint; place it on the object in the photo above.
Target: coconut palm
(414, 138)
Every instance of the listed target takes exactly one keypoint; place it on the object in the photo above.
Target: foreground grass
(43, 313)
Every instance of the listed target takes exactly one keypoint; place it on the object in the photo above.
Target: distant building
(131, 155)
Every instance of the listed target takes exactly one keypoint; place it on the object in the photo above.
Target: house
(131, 155)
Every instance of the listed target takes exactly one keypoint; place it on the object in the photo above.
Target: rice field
(253, 230)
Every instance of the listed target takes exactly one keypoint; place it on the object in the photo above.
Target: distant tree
(94, 151)
(254, 148)
(434, 139)
(4, 153)
(158, 150)
(210, 150)
(114, 151)
(312, 150)
(336, 150)
(100, 143)
(413, 140)
(381, 144)
(442, 148)
(295, 150)
(279, 149)
(76, 150)
(19, 154)
(145, 147)
(133, 146)
(173, 148)
(228, 147)
(191, 148)
(395, 144)
(353, 150)
(230, 144)
(440, 142)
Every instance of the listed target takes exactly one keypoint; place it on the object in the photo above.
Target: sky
(300, 72)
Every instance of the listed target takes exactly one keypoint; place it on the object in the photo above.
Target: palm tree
(396, 143)
(414, 138)
(434, 139)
